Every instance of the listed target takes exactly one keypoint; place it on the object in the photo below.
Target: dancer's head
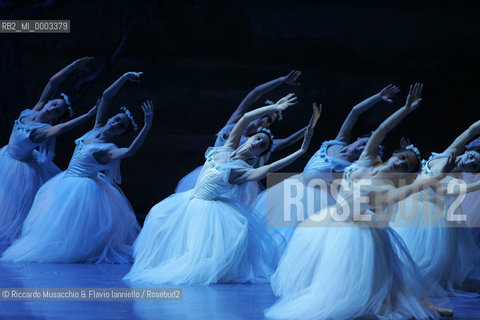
(54, 110)
(468, 161)
(405, 159)
(268, 120)
(264, 122)
(257, 144)
(120, 124)
(57, 110)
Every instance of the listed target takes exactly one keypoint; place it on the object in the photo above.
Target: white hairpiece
(380, 150)
(129, 115)
(415, 150)
(473, 145)
(69, 105)
(269, 133)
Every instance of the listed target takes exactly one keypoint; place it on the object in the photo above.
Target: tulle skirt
(77, 219)
(471, 207)
(343, 271)
(444, 251)
(189, 240)
(19, 182)
(189, 181)
(291, 201)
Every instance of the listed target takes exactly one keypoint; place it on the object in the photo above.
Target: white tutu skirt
(195, 241)
(290, 202)
(470, 207)
(76, 219)
(19, 182)
(445, 254)
(346, 272)
(189, 181)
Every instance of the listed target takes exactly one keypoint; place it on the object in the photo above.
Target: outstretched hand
(147, 108)
(292, 77)
(414, 97)
(285, 102)
(133, 76)
(389, 92)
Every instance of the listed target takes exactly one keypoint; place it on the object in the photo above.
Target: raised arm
(255, 94)
(471, 187)
(281, 144)
(386, 94)
(110, 92)
(261, 172)
(413, 101)
(41, 134)
(57, 79)
(242, 124)
(121, 153)
(458, 146)
(397, 194)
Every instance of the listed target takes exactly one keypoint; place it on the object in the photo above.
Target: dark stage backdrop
(200, 58)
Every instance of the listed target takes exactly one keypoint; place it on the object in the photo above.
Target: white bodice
(84, 164)
(321, 162)
(426, 168)
(20, 146)
(213, 182)
(430, 194)
(353, 191)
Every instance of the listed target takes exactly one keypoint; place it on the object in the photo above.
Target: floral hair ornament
(269, 133)
(473, 145)
(129, 115)
(380, 150)
(407, 145)
(69, 104)
(279, 113)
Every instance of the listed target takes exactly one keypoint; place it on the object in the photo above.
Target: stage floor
(199, 302)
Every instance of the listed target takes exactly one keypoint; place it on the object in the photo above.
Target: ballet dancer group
(213, 228)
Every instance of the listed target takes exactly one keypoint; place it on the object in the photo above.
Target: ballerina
(444, 250)
(266, 121)
(471, 201)
(332, 158)
(81, 215)
(27, 161)
(354, 266)
(207, 235)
